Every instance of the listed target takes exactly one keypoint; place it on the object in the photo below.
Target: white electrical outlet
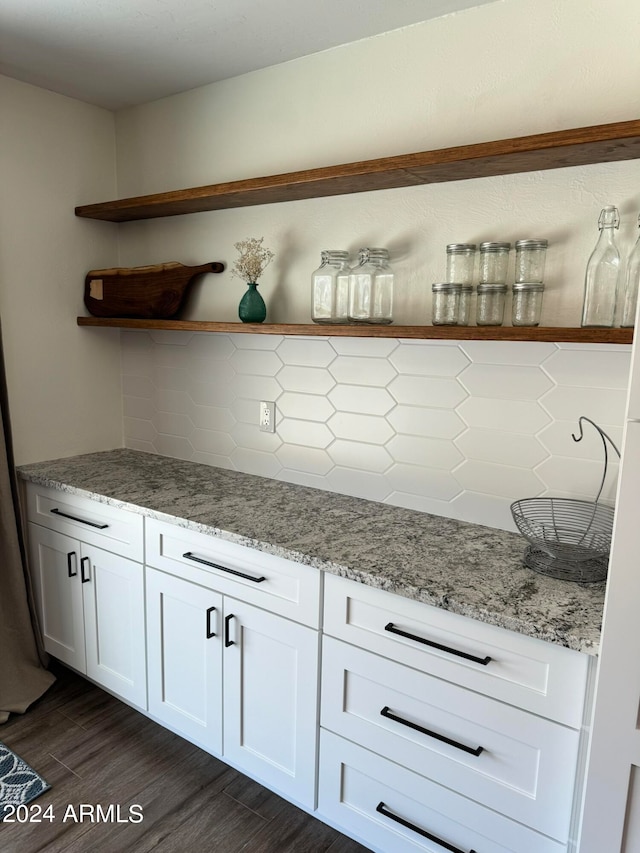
(267, 420)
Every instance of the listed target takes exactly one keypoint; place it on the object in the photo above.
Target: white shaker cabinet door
(270, 699)
(113, 595)
(55, 568)
(184, 623)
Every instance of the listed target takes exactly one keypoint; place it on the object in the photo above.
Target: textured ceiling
(118, 53)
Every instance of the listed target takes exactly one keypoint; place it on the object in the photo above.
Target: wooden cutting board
(158, 291)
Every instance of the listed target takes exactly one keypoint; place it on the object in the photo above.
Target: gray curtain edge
(23, 660)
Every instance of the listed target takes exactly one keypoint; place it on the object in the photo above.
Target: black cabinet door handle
(84, 578)
(71, 564)
(383, 810)
(191, 556)
(227, 641)
(210, 633)
(81, 520)
(393, 630)
(388, 713)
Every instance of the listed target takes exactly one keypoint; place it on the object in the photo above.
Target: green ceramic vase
(252, 308)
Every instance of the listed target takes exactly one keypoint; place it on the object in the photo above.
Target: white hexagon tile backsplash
(455, 429)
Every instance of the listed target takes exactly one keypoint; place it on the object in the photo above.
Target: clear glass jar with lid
(490, 304)
(461, 258)
(530, 259)
(330, 288)
(527, 303)
(445, 303)
(494, 260)
(371, 288)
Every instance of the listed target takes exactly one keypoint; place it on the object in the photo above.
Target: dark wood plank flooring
(93, 749)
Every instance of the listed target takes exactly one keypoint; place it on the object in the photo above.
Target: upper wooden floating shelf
(578, 147)
(453, 333)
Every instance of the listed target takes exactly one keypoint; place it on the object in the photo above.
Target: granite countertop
(466, 568)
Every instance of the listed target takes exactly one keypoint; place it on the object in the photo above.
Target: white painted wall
(506, 69)
(63, 382)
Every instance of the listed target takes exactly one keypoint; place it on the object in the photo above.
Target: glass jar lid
(336, 253)
(460, 248)
(532, 244)
(527, 286)
(446, 287)
(495, 247)
(492, 287)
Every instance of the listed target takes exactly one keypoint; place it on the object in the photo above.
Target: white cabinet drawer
(281, 586)
(507, 759)
(112, 528)
(359, 790)
(532, 674)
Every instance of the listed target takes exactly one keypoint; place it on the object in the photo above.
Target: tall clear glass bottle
(632, 280)
(603, 270)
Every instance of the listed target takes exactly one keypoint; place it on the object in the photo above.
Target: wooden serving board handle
(157, 291)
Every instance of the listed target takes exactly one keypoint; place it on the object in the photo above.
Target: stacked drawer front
(273, 583)
(355, 783)
(109, 527)
(491, 716)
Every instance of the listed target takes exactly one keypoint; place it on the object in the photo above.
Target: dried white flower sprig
(253, 260)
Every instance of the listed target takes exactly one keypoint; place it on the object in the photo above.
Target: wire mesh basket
(570, 539)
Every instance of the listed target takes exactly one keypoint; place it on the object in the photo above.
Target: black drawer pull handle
(385, 811)
(388, 713)
(227, 641)
(191, 556)
(392, 628)
(70, 567)
(84, 578)
(81, 520)
(210, 633)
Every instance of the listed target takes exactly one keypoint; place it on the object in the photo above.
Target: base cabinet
(237, 680)
(419, 749)
(506, 759)
(421, 731)
(91, 609)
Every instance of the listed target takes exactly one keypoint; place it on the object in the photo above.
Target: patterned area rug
(19, 783)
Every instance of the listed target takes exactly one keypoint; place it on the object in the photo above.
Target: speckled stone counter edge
(555, 611)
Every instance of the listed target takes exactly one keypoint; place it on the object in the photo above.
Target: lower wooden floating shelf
(559, 334)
